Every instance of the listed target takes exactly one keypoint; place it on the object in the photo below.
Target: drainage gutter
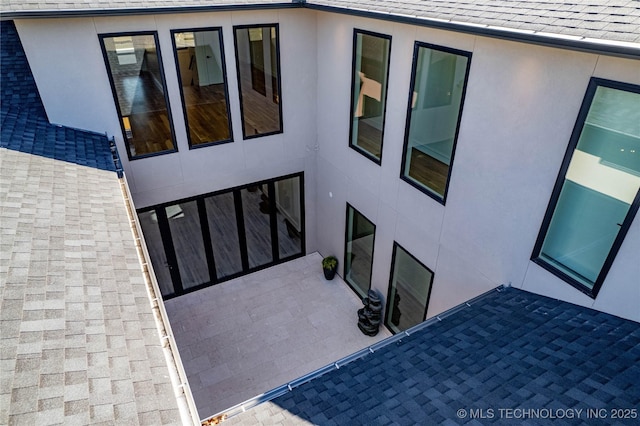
(288, 387)
(177, 374)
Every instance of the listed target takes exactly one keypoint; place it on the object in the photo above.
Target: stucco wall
(68, 66)
(521, 104)
(520, 108)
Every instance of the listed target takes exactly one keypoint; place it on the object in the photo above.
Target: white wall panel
(521, 105)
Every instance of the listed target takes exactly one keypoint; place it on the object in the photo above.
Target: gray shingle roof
(78, 338)
(613, 20)
(507, 350)
(60, 5)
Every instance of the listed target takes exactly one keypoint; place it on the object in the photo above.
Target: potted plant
(329, 266)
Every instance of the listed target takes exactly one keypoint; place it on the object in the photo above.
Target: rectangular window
(137, 81)
(409, 290)
(258, 64)
(358, 252)
(597, 193)
(371, 55)
(207, 239)
(438, 85)
(199, 57)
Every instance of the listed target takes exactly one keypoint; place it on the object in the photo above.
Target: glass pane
(289, 216)
(256, 205)
(153, 238)
(436, 103)
(203, 79)
(408, 292)
(186, 234)
(134, 65)
(600, 185)
(359, 251)
(371, 69)
(258, 78)
(221, 215)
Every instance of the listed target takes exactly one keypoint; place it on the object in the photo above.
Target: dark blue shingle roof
(23, 120)
(509, 350)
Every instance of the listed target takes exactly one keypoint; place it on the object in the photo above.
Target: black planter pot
(329, 273)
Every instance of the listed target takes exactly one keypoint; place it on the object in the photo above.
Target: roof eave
(583, 44)
(91, 13)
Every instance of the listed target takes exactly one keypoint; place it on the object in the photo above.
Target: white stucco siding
(521, 105)
(69, 69)
(520, 108)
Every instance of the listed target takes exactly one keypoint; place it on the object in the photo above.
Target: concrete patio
(244, 337)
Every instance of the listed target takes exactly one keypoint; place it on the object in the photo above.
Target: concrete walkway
(246, 336)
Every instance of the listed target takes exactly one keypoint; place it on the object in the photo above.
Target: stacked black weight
(369, 316)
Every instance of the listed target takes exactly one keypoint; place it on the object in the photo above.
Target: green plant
(329, 262)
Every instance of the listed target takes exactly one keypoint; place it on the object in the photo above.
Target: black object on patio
(369, 317)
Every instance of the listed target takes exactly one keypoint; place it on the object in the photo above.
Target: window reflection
(186, 234)
(409, 291)
(359, 251)
(256, 207)
(134, 66)
(370, 73)
(202, 74)
(223, 229)
(153, 239)
(600, 186)
(436, 103)
(289, 216)
(258, 66)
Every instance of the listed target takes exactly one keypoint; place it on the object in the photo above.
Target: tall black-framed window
(597, 193)
(409, 290)
(369, 83)
(258, 67)
(436, 97)
(200, 241)
(200, 61)
(134, 66)
(360, 236)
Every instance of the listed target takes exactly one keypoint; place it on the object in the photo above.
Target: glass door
(215, 237)
(188, 243)
(257, 205)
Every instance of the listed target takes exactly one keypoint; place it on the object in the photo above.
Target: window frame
(578, 128)
(393, 265)
(237, 59)
(169, 247)
(373, 247)
(357, 148)
(114, 93)
(226, 85)
(414, 68)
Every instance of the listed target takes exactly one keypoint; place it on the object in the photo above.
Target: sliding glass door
(207, 239)
(223, 233)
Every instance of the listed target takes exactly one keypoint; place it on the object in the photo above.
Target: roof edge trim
(583, 44)
(91, 13)
(577, 43)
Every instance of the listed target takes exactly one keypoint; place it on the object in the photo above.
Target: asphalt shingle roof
(616, 20)
(78, 339)
(612, 20)
(508, 350)
(24, 123)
